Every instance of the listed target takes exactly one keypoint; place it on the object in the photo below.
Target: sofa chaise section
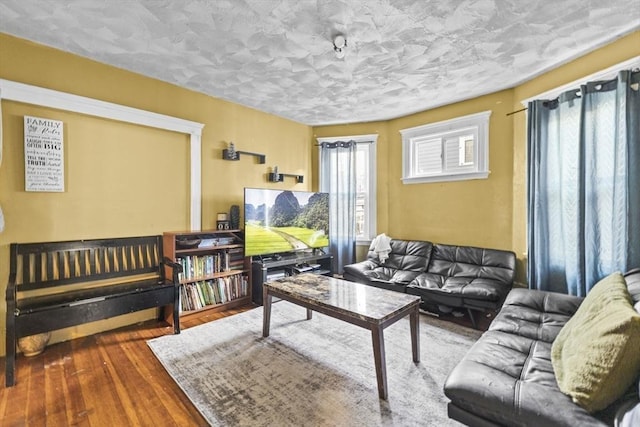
(507, 378)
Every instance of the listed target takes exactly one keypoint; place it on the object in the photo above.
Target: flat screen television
(277, 221)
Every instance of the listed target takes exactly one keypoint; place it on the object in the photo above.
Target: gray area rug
(311, 373)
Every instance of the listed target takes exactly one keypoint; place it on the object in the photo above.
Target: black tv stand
(279, 266)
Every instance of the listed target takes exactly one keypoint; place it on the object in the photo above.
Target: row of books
(196, 266)
(197, 295)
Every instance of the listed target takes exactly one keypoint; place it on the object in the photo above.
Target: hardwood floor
(107, 379)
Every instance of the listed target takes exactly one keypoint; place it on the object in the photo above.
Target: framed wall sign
(43, 154)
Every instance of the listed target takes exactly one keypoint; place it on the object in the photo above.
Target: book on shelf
(200, 294)
(196, 266)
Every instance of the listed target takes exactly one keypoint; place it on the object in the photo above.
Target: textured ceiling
(402, 56)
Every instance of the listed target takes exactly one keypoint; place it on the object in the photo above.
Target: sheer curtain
(338, 178)
(584, 185)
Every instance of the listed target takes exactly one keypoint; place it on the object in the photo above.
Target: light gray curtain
(338, 178)
(584, 185)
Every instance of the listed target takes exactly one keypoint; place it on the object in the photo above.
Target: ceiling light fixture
(339, 44)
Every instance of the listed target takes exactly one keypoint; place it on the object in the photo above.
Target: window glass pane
(466, 150)
(361, 215)
(452, 154)
(428, 156)
(362, 189)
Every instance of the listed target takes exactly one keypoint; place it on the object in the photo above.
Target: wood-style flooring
(108, 379)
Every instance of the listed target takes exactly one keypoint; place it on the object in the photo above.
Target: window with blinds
(447, 151)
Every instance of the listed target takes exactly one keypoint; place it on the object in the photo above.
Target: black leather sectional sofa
(475, 279)
(507, 377)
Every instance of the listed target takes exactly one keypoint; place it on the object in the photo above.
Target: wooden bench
(55, 285)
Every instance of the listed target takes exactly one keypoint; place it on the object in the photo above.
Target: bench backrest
(49, 264)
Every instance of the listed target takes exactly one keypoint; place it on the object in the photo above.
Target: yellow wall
(476, 212)
(123, 179)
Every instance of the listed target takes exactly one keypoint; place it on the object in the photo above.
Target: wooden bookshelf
(216, 276)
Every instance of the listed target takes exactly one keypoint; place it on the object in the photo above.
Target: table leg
(414, 321)
(266, 311)
(380, 360)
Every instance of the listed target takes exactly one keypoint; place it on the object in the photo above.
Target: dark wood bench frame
(83, 281)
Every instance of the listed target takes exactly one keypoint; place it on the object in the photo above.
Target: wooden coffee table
(362, 305)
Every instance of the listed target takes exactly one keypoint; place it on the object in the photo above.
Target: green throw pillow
(596, 355)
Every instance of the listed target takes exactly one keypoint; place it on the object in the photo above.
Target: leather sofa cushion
(390, 275)
(407, 259)
(535, 314)
(407, 255)
(430, 284)
(467, 261)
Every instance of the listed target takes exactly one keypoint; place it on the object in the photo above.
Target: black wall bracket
(279, 177)
(232, 154)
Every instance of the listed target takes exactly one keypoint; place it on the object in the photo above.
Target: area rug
(317, 372)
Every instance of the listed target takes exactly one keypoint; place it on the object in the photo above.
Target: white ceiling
(402, 56)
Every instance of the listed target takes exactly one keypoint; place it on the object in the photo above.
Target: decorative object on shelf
(339, 45)
(234, 217)
(276, 176)
(34, 344)
(232, 154)
(222, 222)
(187, 243)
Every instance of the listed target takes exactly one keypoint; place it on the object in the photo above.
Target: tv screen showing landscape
(277, 221)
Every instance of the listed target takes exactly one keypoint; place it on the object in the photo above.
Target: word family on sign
(43, 154)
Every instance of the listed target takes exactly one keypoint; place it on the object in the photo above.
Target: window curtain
(584, 185)
(338, 178)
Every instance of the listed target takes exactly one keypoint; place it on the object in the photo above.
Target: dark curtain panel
(584, 185)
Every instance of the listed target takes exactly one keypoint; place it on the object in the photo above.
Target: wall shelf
(279, 177)
(232, 154)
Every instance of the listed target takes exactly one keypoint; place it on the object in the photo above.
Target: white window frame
(369, 143)
(476, 124)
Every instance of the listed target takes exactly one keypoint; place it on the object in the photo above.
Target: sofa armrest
(360, 269)
(632, 278)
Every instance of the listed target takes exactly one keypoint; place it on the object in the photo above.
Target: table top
(364, 301)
